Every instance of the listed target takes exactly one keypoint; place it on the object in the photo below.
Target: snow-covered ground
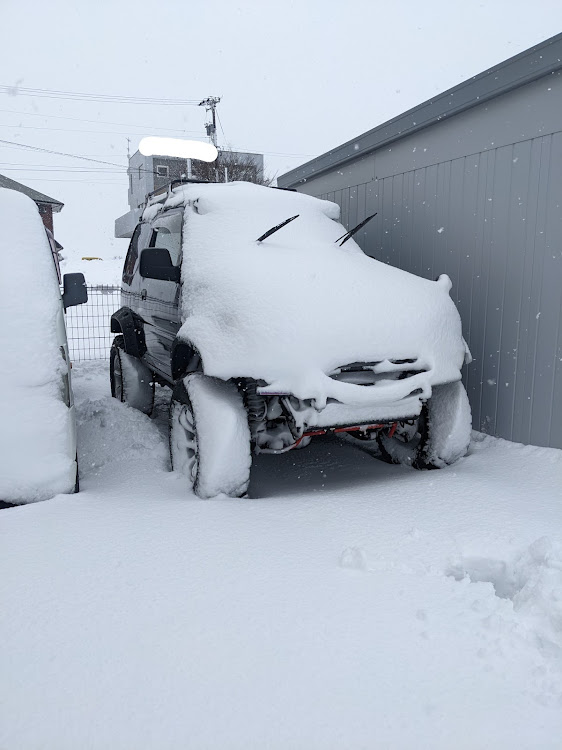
(348, 604)
(100, 270)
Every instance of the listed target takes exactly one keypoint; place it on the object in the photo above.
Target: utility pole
(211, 127)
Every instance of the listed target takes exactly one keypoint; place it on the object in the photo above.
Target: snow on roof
(291, 309)
(35, 422)
(35, 195)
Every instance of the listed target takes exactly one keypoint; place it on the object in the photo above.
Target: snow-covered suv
(269, 338)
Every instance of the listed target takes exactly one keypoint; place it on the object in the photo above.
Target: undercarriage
(281, 422)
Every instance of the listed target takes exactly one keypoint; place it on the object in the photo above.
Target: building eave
(35, 195)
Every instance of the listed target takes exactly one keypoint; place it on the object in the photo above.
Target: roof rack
(165, 190)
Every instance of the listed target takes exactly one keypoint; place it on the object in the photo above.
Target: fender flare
(185, 359)
(130, 325)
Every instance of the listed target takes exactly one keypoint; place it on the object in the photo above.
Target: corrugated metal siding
(493, 222)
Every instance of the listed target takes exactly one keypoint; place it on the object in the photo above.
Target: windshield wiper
(277, 228)
(351, 232)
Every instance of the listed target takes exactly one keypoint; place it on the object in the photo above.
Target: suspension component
(256, 404)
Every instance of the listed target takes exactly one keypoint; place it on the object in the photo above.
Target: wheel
(438, 438)
(131, 380)
(210, 437)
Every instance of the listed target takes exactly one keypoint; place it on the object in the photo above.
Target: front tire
(439, 437)
(131, 380)
(210, 437)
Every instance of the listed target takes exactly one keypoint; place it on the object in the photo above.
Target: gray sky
(296, 78)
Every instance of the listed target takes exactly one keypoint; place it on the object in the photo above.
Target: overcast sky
(296, 78)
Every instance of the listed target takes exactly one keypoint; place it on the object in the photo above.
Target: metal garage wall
(493, 222)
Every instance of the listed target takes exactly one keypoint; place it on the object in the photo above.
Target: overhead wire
(57, 153)
(89, 182)
(151, 128)
(99, 132)
(100, 122)
(83, 96)
(125, 168)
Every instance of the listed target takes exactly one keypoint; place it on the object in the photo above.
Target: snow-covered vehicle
(269, 338)
(37, 424)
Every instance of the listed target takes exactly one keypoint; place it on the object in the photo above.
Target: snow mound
(291, 309)
(533, 582)
(36, 423)
(112, 433)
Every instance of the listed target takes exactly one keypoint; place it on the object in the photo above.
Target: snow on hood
(35, 422)
(291, 309)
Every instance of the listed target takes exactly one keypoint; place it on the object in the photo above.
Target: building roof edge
(536, 62)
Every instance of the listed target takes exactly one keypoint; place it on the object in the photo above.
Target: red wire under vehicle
(314, 433)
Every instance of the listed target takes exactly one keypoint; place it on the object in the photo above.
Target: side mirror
(75, 291)
(155, 263)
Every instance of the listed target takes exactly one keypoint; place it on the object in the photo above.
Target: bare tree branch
(230, 166)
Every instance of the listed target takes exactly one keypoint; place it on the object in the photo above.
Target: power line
(240, 148)
(74, 156)
(222, 129)
(62, 169)
(99, 132)
(89, 182)
(83, 96)
(100, 122)
(58, 153)
(7, 165)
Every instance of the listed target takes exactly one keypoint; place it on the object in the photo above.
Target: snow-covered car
(269, 338)
(37, 422)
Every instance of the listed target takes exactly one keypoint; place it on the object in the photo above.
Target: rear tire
(439, 438)
(210, 437)
(131, 380)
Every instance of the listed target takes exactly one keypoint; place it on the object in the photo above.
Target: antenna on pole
(210, 103)
(128, 148)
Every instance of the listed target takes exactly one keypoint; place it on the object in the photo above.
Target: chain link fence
(88, 325)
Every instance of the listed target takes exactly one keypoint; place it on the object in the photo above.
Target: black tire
(210, 437)
(438, 438)
(132, 382)
(408, 445)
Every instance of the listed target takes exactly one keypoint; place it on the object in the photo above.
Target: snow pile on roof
(291, 309)
(35, 422)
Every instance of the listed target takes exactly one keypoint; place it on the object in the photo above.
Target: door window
(166, 233)
(139, 241)
(132, 255)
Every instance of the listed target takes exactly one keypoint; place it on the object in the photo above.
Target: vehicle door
(161, 299)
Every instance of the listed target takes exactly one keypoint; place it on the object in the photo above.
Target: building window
(162, 170)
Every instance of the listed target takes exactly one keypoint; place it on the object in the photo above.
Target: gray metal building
(470, 184)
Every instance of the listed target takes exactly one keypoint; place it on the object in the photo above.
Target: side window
(55, 254)
(132, 255)
(166, 233)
